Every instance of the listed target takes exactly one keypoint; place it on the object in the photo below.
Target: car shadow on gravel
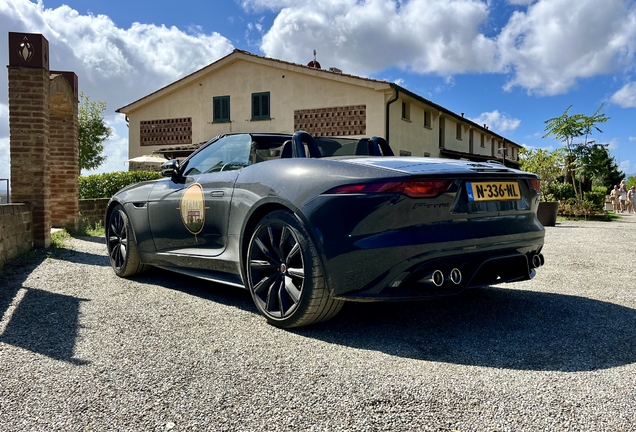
(78, 257)
(92, 239)
(219, 293)
(494, 327)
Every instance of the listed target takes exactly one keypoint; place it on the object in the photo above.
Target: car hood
(426, 165)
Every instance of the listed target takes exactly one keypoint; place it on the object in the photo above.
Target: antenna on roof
(314, 63)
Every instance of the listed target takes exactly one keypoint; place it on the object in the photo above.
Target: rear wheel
(284, 274)
(121, 244)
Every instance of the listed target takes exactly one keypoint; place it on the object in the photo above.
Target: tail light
(413, 189)
(536, 185)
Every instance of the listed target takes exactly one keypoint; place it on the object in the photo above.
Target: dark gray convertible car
(306, 224)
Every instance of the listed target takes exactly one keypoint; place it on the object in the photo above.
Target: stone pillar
(29, 104)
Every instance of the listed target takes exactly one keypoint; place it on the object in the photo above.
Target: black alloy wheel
(285, 275)
(122, 248)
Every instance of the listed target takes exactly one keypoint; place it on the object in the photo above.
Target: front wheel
(121, 244)
(285, 276)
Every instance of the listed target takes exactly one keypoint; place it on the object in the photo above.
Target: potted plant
(549, 166)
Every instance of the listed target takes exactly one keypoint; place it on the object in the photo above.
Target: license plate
(493, 191)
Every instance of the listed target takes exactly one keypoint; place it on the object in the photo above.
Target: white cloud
(4, 120)
(548, 147)
(113, 65)
(555, 43)
(632, 138)
(626, 96)
(626, 167)
(5, 167)
(498, 122)
(612, 144)
(425, 36)
(116, 148)
(546, 47)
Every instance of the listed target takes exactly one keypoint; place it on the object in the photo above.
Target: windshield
(229, 153)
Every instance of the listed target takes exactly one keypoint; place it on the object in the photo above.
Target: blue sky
(509, 63)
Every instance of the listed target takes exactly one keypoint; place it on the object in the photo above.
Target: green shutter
(225, 109)
(221, 109)
(265, 105)
(256, 106)
(260, 106)
(217, 110)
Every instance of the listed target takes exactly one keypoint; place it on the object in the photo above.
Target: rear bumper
(397, 263)
(407, 272)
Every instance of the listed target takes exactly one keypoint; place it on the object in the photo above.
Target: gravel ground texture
(81, 349)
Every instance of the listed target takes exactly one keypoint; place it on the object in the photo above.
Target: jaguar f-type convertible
(307, 223)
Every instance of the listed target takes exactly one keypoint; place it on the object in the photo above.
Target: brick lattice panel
(166, 131)
(333, 121)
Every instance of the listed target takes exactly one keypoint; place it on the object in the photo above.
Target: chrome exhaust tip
(455, 276)
(536, 260)
(542, 259)
(436, 278)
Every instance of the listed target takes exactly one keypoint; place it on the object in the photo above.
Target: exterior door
(189, 213)
(190, 216)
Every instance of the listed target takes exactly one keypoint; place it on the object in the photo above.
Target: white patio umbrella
(148, 159)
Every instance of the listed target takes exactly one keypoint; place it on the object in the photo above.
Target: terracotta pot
(547, 212)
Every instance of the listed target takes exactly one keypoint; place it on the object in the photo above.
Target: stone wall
(92, 211)
(16, 230)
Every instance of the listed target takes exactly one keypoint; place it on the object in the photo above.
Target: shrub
(596, 197)
(107, 184)
(560, 191)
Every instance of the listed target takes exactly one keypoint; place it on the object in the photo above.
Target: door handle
(216, 194)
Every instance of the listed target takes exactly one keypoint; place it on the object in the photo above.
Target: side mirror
(170, 168)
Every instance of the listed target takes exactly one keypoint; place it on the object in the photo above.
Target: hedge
(107, 184)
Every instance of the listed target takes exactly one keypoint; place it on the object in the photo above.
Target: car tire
(285, 275)
(121, 244)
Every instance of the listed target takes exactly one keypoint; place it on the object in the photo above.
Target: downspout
(397, 95)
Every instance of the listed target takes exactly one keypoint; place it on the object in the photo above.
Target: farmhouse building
(244, 92)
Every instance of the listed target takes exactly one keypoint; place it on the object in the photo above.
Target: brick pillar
(29, 104)
(63, 143)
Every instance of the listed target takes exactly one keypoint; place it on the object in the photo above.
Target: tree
(598, 167)
(548, 165)
(92, 132)
(570, 130)
(631, 181)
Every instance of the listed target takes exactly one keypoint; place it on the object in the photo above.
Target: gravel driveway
(81, 349)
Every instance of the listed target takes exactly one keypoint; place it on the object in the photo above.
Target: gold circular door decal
(193, 208)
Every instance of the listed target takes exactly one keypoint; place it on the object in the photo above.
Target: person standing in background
(622, 197)
(631, 200)
(614, 199)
